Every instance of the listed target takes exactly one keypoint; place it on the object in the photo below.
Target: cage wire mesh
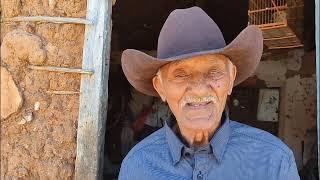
(271, 16)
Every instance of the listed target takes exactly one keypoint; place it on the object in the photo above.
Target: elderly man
(194, 73)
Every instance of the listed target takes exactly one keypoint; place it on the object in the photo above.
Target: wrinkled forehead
(218, 60)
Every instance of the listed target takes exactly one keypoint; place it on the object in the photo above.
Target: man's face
(196, 89)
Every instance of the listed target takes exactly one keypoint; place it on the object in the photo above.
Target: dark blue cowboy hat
(188, 33)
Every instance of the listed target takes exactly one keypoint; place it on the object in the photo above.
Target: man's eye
(181, 75)
(216, 74)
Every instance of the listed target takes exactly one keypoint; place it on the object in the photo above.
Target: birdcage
(271, 16)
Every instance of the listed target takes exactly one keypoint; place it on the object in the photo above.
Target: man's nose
(199, 85)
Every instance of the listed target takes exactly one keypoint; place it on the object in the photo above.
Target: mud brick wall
(38, 124)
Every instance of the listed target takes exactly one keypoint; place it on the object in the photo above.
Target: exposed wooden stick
(60, 69)
(285, 47)
(63, 92)
(49, 19)
(278, 38)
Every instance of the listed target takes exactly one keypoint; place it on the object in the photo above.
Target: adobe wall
(38, 124)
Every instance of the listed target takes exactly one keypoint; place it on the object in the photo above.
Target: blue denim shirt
(236, 152)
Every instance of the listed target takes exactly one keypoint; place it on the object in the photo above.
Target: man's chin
(199, 116)
(200, 122)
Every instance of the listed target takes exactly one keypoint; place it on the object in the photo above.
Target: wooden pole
(63, 92)
(60, 69)
(48, 19)
(94, 92)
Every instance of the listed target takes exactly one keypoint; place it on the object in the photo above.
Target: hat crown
(188, 31)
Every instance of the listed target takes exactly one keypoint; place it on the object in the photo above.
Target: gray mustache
(203, 99)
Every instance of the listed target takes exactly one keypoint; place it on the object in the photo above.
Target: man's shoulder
(259, 138)
(140, 158)
(153, 143)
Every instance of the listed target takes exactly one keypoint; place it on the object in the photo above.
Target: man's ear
(158, 86)
(233, 74)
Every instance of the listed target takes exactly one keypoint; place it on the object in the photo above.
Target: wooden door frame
(94, 91)
(317, 31)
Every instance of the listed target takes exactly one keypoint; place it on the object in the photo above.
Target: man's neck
(196, 138)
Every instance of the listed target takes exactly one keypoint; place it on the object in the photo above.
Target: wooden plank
(60, 69)
(317, 18)
(94, 92)
(48, 19)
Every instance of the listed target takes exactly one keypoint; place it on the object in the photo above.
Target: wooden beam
(317, 19)
(48, 19)
(94, 92)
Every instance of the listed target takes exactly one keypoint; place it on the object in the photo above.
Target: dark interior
(136, 24)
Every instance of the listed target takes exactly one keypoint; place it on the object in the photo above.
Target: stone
(28, 116)
(23, 45)
(11, 99)
(37, 106)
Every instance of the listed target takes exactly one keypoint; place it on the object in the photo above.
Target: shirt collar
(221, 137)
(218, 142)
(175, 145)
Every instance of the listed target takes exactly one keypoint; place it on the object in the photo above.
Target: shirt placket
(200, 166)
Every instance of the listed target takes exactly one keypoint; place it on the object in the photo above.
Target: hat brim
(244, 52)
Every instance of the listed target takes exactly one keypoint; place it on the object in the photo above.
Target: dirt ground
(39, 140)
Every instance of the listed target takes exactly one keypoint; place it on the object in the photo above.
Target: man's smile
(198, 105)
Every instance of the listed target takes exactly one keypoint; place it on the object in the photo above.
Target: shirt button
(200, 175)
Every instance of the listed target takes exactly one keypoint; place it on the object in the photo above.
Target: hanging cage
(271, 16)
